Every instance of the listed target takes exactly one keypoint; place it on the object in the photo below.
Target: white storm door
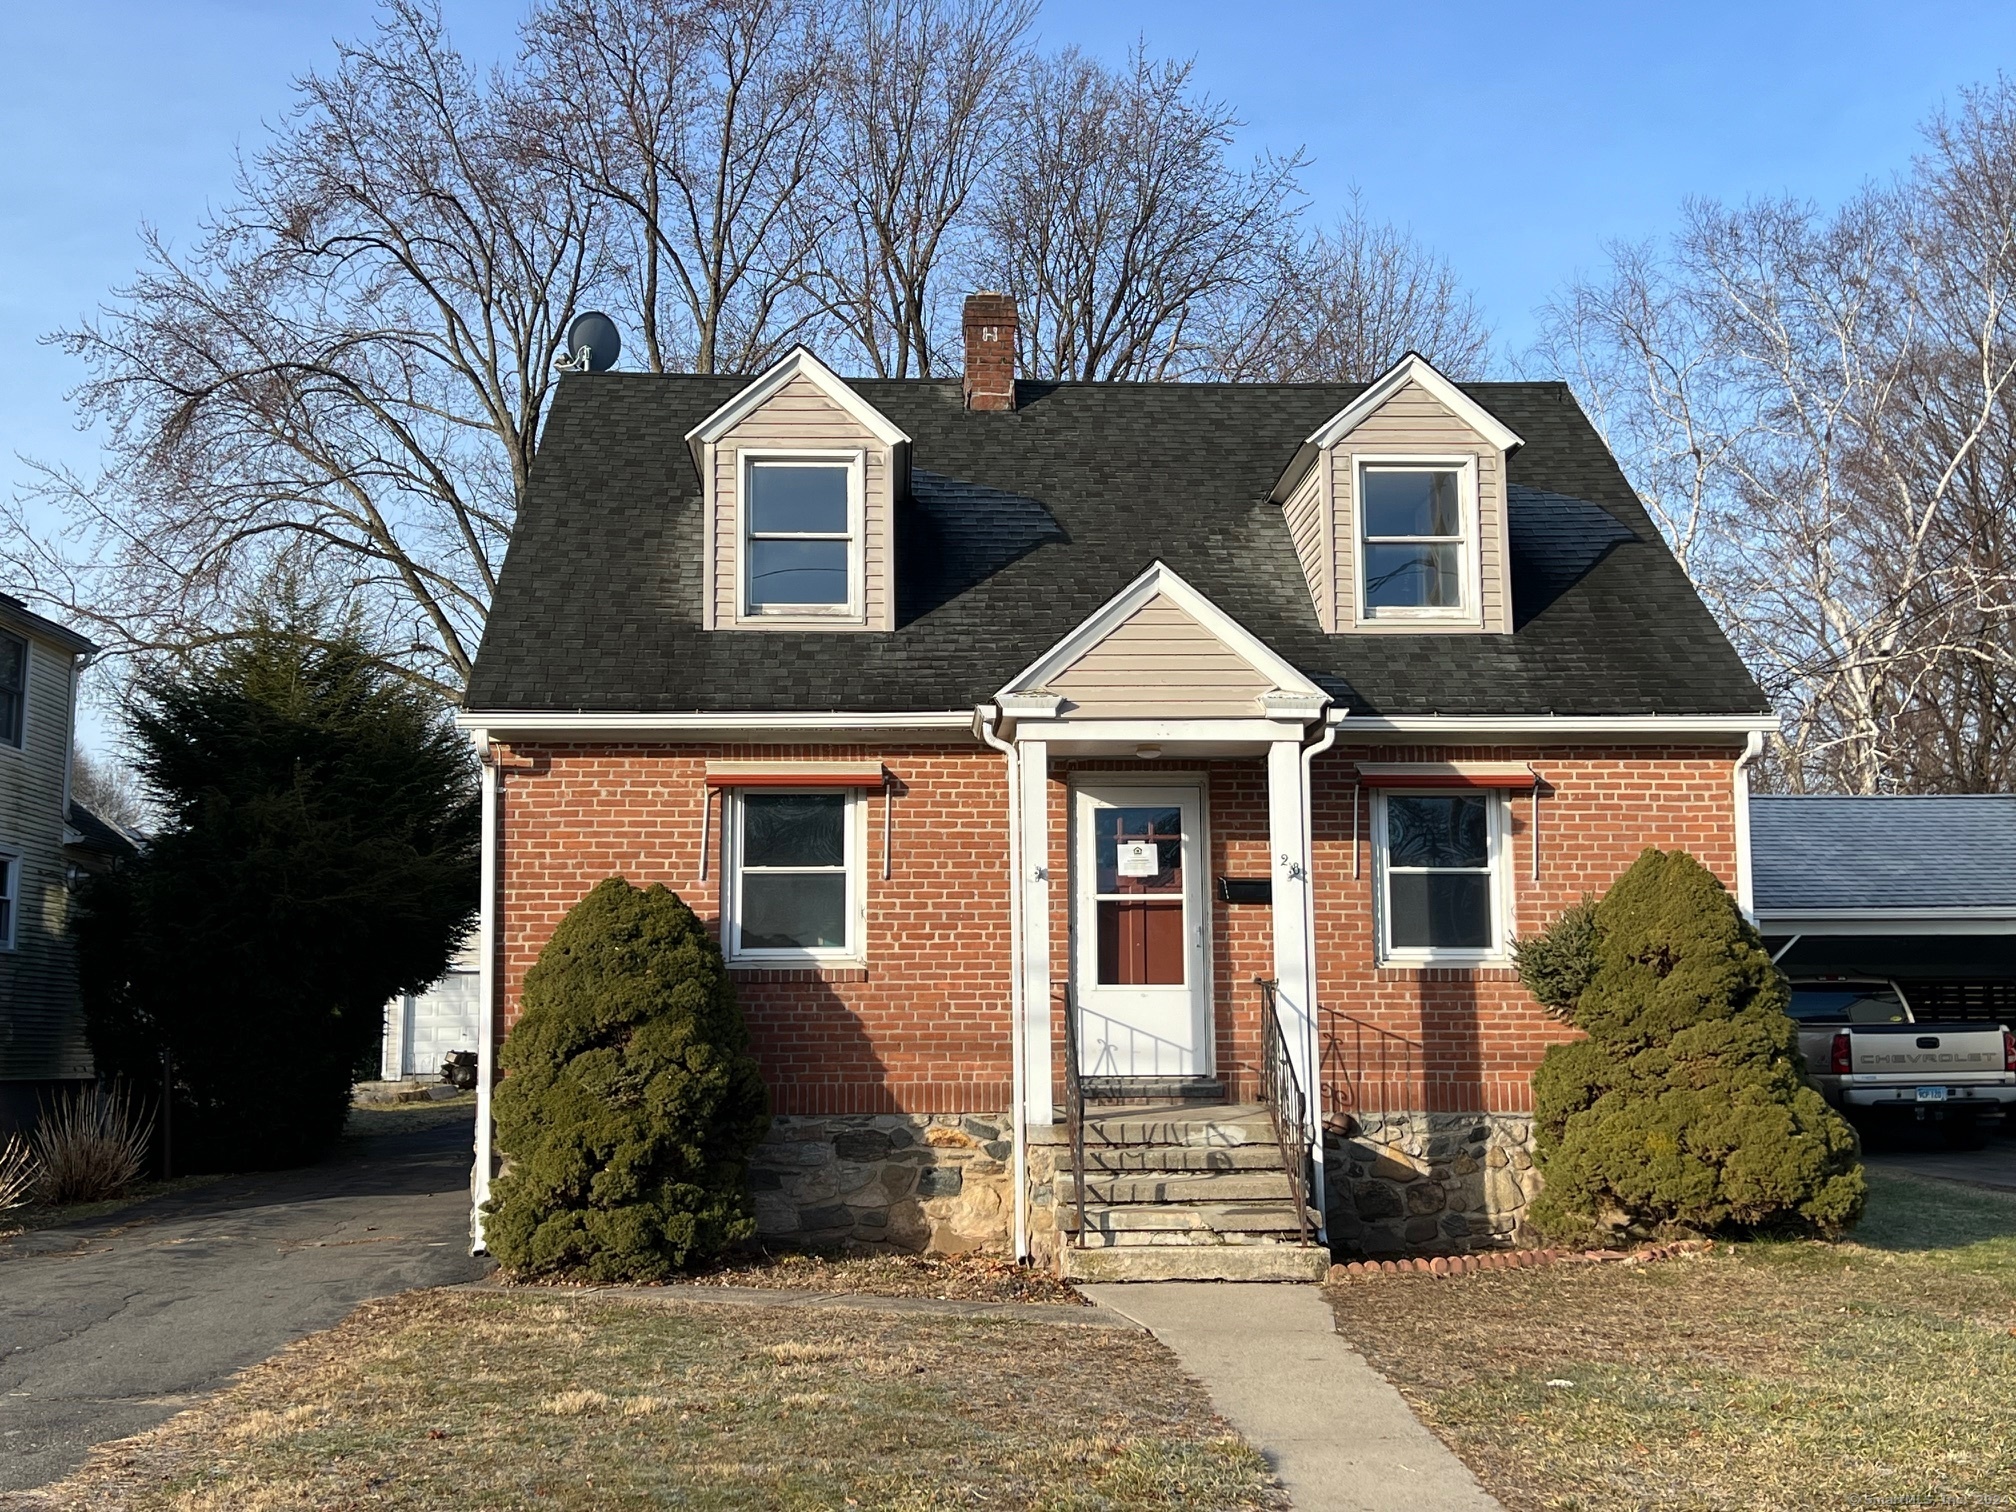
(1139, 917)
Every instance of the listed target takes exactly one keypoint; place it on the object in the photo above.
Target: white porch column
(1294, 943)
(1034, 817)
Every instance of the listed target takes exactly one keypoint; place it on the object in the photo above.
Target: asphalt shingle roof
(1024, 523)
(1916, 852)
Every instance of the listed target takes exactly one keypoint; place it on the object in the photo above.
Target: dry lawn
(1880, 1372)
(964, 1278)
(502, 1401)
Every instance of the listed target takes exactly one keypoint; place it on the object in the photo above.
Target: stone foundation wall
(1431, 1183)
(916, 1183)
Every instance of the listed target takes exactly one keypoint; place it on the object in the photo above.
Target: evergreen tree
(630, 1102)
(1686, 1106)
(315, 854)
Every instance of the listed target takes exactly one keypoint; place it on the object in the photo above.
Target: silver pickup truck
(1868, 1056)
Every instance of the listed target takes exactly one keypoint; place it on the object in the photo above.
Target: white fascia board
(1415, 368)
(1293, 474)
(503, 725)
(796, 363)
(1159, 578)
(1124, 734)
(1887, 921)
(1550, 727)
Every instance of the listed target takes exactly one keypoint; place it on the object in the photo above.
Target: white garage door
(438, 1021)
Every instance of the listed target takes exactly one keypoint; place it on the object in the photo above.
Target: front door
(1139, 915)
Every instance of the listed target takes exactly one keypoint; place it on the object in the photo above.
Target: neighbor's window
(10, 897)
(800, 545)
(13, 689)
(1413, 540)
(794, 875)
(1436, 855)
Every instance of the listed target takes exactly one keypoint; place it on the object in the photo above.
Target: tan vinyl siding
(1413, 422)
(1159, 662)
(41, 1031)
(800, 416)
(1308, 529)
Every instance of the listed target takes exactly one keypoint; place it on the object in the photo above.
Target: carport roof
(1825, 854)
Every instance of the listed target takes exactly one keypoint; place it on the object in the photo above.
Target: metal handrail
(1281, 1091)
(1074, 1112)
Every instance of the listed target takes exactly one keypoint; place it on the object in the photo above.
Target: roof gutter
(504, 724)
(1564, 726)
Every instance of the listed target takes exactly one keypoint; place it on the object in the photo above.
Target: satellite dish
(593, 344)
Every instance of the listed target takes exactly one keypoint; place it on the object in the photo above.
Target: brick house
(993, 721)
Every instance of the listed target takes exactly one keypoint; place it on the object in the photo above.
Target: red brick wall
(1466, 1040)
(925, 1028)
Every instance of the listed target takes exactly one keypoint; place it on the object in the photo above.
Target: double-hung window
(1438, 857)
(10, 897)
(1414, 540)
(794, 876)
(801, 535)
(13, 690)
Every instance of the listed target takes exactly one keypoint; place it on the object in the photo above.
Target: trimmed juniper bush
(1686, 1106)
(630, 1102)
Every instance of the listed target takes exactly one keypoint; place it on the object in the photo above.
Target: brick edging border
(1521, 1259)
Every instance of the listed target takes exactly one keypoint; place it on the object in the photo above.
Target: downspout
(486, 1010)
(1319, 1190)
(984, 720)
(1746, 902)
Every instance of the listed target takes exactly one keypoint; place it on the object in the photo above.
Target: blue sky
(1514, 139)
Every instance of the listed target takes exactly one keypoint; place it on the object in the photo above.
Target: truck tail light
(2009, 1050)
(1841, 1061)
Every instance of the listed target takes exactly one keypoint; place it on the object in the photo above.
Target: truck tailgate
(1928, 1052)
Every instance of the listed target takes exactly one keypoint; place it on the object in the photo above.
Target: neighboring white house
(423, 1028)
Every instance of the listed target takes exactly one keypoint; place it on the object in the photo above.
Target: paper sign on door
(1139, 858)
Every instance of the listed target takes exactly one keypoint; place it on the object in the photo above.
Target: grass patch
(959, 1278)
(508, 1401)
(368, 1120)
(1878, 1371)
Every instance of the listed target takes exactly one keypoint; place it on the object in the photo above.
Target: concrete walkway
(1340, 1437)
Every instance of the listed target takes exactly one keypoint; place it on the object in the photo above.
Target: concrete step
(1210, 1126)
(1187, 1188)
(1100, 1159)
(1195, 1218)
(1222, 1262)
(1154, 1089)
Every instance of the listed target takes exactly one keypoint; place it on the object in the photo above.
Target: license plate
(1931, 1094)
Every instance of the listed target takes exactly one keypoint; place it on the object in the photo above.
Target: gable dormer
(1396, 505)
(802, 478)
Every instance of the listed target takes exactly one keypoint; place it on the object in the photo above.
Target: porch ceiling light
(1147, 752)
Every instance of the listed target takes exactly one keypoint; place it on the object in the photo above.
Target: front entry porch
(1139, 1007)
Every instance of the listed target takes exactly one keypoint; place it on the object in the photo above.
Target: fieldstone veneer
(919, 1183)
(1431, 1183)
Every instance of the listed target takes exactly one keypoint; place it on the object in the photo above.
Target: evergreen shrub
(630, 1102)
(1558, 964)
(1686, 1107)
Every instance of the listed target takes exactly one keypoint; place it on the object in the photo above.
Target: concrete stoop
(1192, 1192)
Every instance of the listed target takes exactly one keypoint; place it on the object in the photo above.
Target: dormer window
(1417, 532)
(802, 534)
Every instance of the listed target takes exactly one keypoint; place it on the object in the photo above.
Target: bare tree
(696, 124)
(107, 788)
(1819, 413)
(1117, 218)
(346, 377)
(1344, 304)
(918, 122)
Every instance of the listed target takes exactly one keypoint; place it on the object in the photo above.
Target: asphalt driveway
(109, 1327)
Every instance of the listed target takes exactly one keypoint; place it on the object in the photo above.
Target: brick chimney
(990, 351)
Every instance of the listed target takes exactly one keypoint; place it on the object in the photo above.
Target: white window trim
(1498, 854)
(855, 839)
(1470, 611)
(17, 747)
(12, 865)
(854, 611)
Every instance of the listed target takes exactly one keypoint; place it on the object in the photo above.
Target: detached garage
(1920, 891)
(422, 1029)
